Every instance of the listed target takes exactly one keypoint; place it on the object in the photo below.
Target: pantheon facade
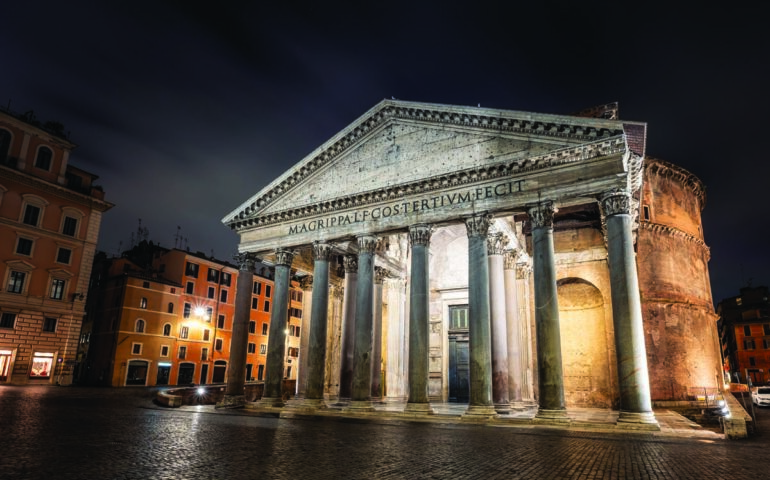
(503, 259)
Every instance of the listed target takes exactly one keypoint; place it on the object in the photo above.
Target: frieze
(420, 234)
(542, 214)
(675, 232)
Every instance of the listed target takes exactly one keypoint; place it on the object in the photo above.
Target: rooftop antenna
(178, 237)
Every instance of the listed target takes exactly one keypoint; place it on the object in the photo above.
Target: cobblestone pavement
(79, 433)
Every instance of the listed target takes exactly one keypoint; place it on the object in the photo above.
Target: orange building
(50, 215)
(744, 330)
(165, 317)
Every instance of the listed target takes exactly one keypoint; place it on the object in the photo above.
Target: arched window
(43, 159)
(139, 326)
(5, 144)
(170, 307)
(167, 330)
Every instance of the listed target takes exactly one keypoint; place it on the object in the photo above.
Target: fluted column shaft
(236, 375)
(276, 343)
(495, 245)
(419, 239)
(350, 263)
(480, 374)
(318, 321)
(634, 383)
(362, 351)
(549, 362)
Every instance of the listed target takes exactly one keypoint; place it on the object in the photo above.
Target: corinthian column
(236, 375)
(306, 284)
(316, 350)
(550, 376)
(512, 325)
(379, 275)
(480, 360)
(276, 342)
(350, 263)
(635, 403)
(495, 245)
(419, 238)
(360, 399)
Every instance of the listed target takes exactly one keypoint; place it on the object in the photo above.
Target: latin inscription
(405, 208)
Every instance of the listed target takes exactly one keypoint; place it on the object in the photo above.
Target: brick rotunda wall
(679, 318)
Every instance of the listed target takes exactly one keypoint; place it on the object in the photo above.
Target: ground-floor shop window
(42, 364)
(5, 364)
(137, 372)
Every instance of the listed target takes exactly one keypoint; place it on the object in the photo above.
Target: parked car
(761, 396)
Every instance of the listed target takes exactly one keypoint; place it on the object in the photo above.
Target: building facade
(504, 259)
(165, 317)
(50, 215)
(744, 329)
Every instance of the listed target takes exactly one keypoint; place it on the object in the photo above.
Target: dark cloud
(185, 109)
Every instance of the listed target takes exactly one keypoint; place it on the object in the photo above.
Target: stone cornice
(654, 166)
(602, 137)
(675, 232)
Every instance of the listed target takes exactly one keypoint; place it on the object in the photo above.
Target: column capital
(523, 270)
(420, 233)
(478, 225)
(615, 202)
(367, 243)
(350, 262)
(306, 283)
(245, 261)
(283, 257)
(496, 243)
(380, 274)
(510, 257)
(322, 250)
(541, 215)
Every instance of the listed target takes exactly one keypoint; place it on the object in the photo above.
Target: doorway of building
(249, 367)
(204, 373)
(459, 383)
(164, 372)
(186, 372)
(137, 372)
(220, 366)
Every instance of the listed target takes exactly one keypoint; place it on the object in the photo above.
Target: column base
(479, 411)
(641, 421)
(419, 408)
(552, 417)
(232, 401)
(269, 402)
(359, 406)
(309, 404)
(503, 408)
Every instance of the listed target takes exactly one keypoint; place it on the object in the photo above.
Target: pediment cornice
(586, 131)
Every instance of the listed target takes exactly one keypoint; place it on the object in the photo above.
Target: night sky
(186, 111)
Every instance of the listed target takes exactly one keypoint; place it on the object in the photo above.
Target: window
(264, 329)
(143, 302)
(293, 352)
(24, 246)
(747, 330)
(145, 284)
(164, 350)
(190, 288)
(288, 371)
(57, 289)
(221, 321)
(766, 343)
(252, 347)
(70, 226)
(738, 301)
(213, 275)
(187, 308)
(252, 327)
(31, 215)
(16, 281)
(458, 317)
(42, 364)
(766, 329)
(191, 270)
(182, 352)
(170, 307)
(136, 349)
(218, 344)
(257, 288)
(254, 303)
(5, 144)
(260, 372)
(267, 306)
(267, 291)
(49, 324)
(209, 313)
(212, 292)
(43, 159)
(206, 334)
(223, 296)
(752, 362)
(167, 330)
(139, 327)
(184, 332)
(748, 344)
(7, 320)
(204, 354)
(295, 312)
(225, 279)
(63, 256)
(646, 212)
(262, 349)
(296, 331)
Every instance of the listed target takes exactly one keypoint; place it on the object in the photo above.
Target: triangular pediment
(397, 145)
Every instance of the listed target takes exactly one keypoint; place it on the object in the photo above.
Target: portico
(456, 207)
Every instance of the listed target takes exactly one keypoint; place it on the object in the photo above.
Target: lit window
(184, 332)
(49, 324)
(42, 364)
(16, 281)
(143, 302)
(209, 313)
(64, 255)
(7, 320)
(57, 289)
(262, 349)
(43, 159)
(187, 309)
(24, 246)
(139, 328)
(70, 226)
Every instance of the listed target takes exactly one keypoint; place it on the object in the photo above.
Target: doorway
(204, 373)
(220, 366)
(459, 366)
(164, 372)
(186, 372)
